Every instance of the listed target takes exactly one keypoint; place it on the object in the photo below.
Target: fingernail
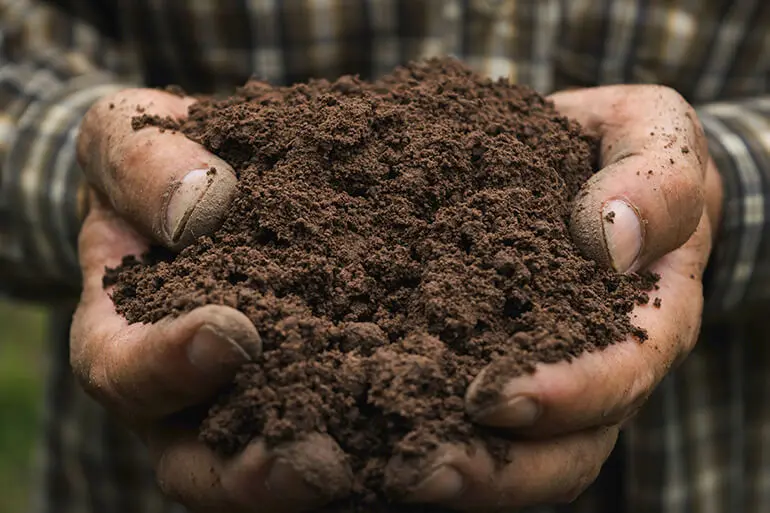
(444, 484)
(183, 201)
(622, 234)
(214, 353)
(284, 480)
(518, 412)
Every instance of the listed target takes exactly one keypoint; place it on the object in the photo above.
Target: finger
(170, 187)
(604, 387)
(149, 370)
(534, 473)
(296, 477)
(647, 199)
(103, 241)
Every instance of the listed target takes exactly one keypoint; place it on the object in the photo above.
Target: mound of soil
(389, 240)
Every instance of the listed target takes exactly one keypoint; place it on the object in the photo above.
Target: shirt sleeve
(44, 93)
(738, 277)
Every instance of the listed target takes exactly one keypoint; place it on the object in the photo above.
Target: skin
(568, 420)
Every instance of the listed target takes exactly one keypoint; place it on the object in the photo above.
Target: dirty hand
(159, 186)
(663, 197)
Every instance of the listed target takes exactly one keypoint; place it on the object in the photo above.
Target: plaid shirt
(702, 444)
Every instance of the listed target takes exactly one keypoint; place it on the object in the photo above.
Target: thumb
(648, 198)
(170, 188)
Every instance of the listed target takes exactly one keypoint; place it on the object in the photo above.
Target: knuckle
(92, 376)
(665, 95)
(657, 95)
(84, 363)
(684, 193)
(92, 371)
(684, 199)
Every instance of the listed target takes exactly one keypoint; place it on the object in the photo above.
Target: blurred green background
(22, 366)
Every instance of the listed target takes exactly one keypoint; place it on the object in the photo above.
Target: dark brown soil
(389, 241)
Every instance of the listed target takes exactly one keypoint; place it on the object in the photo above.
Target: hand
(665, 193)
(158, 186)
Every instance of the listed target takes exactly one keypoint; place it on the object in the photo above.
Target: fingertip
(297, 476)
(586, 226)
(197, 203)
(623, 232)
(194, 475)
(627, 216)
(496, 400)
(439, 477)
(314, 471)
(606, 225)
(519, 411)
(595, 389)
(443, 484)
(186, 471)
(158, 369)
(216, 340)
(169, 187)
(214, 354)
(540, 404)
(652, 166)
(226, 323)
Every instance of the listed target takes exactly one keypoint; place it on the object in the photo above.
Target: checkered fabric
(701, 445)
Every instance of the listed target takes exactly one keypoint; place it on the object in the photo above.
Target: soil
(389, 240)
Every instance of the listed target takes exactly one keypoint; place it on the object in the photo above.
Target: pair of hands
(658, 180)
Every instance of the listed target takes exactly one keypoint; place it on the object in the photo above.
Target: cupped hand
(152, 185)
(654, 205)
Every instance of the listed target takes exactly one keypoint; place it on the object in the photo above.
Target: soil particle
(610, 217)
(389, 241)
(145, 120)
(176, 91)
